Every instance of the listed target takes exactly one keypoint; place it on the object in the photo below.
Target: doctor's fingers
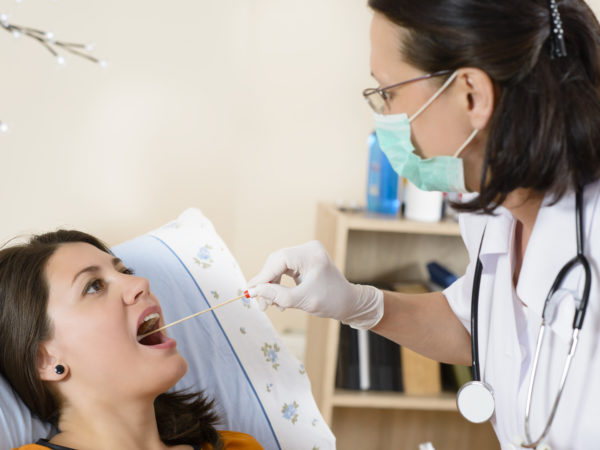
(275, 294)
(292, 261)
(264, 304)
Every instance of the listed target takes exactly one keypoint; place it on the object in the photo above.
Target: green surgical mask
(440, 173)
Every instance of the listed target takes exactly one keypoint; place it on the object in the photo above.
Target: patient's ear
(50, 368)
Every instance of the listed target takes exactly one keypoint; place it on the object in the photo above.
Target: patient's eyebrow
(115, 263)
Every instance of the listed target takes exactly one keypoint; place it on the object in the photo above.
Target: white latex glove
(320, 288)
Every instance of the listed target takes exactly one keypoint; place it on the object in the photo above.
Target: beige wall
(250, 110)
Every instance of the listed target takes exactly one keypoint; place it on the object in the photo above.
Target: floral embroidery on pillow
(204, 257)
(271, 354)
(290, 412)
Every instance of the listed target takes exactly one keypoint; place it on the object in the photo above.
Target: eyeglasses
(378, 98)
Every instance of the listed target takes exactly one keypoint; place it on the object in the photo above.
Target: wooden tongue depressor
(246, 295)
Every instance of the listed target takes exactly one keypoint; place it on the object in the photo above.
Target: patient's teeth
(151, 316)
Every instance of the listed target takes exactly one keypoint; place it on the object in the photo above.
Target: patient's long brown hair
(182, 418)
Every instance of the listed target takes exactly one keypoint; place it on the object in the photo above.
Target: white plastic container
(422, 206)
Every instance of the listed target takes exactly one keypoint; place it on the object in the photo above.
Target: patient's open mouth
(150, 322)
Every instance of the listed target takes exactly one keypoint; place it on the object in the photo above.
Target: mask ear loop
(432, 99)
(467, 142)
(434, 96)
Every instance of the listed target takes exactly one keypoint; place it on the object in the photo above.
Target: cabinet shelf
(381, 223)
(445, 401)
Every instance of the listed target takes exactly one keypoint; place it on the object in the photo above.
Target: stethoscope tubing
(475, 321)
(579, 316)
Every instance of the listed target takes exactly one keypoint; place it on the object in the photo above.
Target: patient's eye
(94, 286)
(127, 271)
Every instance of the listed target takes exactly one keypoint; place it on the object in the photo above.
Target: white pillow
(17, 426)
(233, 353)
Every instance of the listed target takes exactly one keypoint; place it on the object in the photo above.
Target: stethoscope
(475, 400)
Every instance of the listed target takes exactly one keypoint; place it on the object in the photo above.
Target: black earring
(59, 369)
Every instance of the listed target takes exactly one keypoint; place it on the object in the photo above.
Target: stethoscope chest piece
(475, 401)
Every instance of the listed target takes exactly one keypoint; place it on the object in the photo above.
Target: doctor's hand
(320, 288)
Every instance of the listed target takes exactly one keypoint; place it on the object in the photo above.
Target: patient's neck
(97, 425)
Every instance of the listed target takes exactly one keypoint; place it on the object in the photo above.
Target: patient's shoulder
(233, 440)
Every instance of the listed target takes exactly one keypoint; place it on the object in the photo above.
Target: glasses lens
(376, 102)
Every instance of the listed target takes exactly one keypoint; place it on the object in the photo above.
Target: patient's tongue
(153, 339)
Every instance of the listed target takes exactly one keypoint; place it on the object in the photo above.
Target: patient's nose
(136, 289)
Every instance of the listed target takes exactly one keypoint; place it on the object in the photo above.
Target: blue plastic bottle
(382, 182)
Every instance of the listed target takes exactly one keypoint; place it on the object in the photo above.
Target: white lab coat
(509, 321)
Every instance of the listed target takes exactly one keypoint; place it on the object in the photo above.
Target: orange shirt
(232, 440)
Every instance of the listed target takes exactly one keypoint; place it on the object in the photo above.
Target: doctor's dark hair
(182, 418)
(544, 133)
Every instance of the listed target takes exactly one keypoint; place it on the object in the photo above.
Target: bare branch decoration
(55, 47)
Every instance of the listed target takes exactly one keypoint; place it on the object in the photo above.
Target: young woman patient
(70, 314)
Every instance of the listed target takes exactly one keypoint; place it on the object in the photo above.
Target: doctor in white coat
(502, 99)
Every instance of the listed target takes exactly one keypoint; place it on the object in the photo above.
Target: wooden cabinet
(370, 249)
